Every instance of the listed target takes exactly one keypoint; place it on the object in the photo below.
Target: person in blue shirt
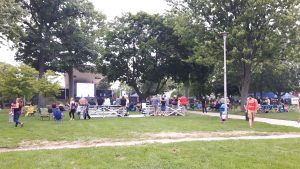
(57, 114)
(223, 114)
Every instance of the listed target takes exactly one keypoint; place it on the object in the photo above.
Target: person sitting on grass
(57, 114)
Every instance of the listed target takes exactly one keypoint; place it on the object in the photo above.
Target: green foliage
(143, 52)
(17, 81)
(196, 69)
(80, 41)
(48, 84)
(10, 14)
(22, 81)
(259, 31)
(103, 84)
(281, 77)
(80, 38)
(54, 29)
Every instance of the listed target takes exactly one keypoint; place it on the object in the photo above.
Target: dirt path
(150, 138)
(164, 138)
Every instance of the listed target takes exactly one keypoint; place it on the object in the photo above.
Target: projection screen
(85, 90)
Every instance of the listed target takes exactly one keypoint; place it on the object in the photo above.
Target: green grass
(245, 154)
(118, 128)
(291, 115)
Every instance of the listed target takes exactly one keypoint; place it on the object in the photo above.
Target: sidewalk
(257, 119)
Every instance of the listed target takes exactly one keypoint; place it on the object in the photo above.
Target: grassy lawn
(118, 128)
(246, 154)
(291, 115)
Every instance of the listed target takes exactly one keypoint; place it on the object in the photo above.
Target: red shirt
(183, 101)
(251, 105)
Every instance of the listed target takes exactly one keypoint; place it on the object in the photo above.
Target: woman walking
(251, 109)
(18, 109)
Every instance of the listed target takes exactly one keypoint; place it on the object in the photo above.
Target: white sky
(110, 8)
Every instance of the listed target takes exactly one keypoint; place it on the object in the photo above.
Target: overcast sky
(110, 8)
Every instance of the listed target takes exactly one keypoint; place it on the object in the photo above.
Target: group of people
(251, 107)
(160, 104)
(82, 106)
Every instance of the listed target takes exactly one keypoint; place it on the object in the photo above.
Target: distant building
(82, 77)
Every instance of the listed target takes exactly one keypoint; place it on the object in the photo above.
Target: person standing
(72, 109)
(174, 102)
(18, 109)
(83, 103)
(183, 102)
(299, 110)
(163, 104)
(107, 102)
(123, 103)
(223, 113)
(251, 106)
(204, 105)
(154, 103)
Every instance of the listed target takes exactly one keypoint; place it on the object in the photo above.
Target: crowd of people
(160, 104)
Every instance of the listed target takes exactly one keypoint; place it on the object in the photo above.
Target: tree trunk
(71, 83)
(245, 85)
(41, 98)
(186, 88)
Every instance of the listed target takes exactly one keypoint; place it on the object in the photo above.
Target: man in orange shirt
(251, 108)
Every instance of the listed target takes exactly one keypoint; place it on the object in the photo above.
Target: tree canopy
(80, 42)
(22, 81)
(142, 51)
(10, 14)
(258, 31)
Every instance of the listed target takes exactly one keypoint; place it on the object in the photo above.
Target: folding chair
(44, 113)
(175, 111)
(30, 111)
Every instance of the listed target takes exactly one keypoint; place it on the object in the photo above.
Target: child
(223, 114)
(11, 113)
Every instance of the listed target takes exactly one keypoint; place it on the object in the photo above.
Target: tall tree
(41, 46)
(10, 14)
(80, 42)
(258, 31)
(281, 77)
(143, 52)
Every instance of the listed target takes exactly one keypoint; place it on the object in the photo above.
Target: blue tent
(266, 94)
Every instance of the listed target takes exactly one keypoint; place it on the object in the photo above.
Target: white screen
(85, 90)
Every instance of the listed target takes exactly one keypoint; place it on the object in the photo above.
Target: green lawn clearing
(118, 128)
(246, 154)
(291, 115)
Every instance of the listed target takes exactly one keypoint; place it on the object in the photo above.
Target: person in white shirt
(107, 102)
